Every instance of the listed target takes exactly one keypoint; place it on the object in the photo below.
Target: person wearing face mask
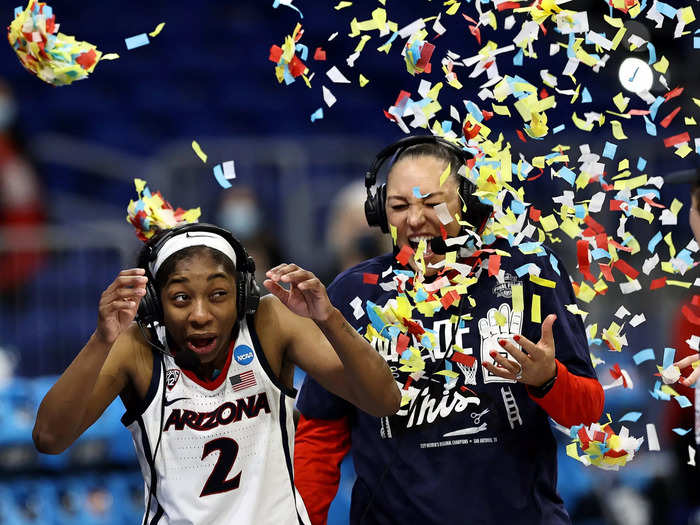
(480, 368)
(240, 212)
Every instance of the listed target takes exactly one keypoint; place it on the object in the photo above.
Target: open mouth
(414, 242)
(202, 345)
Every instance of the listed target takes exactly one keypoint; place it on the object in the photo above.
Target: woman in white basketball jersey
(206, 375)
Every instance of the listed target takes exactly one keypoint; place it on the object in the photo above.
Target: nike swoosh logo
(169, 402)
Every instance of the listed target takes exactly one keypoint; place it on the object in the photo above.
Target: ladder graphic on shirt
(511, 407)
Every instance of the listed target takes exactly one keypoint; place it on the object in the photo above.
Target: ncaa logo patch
(243, 354)
(171, 377)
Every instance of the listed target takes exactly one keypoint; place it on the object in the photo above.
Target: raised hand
(534, 362)
(119, 304)
(306, 295)
(686, 362)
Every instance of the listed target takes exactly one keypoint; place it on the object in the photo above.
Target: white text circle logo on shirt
(243, 354)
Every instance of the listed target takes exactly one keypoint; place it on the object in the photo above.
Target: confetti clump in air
(151, 213)
(601, 447)
(55, 58)
(290, 66)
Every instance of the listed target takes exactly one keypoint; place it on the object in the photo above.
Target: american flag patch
(243, 380)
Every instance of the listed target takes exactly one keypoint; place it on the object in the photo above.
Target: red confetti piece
(413, 327)
(459, 357)
(508, 5)
(319, 54)
(677, 139)
(494, 264)
(668, 118)
(626, 269)
(296, 66)
(275, 54)
(404, 255)
(402, 343)
(657, 283)
(535, 214)
(520, 135)
(607, 272)
(594, 225)
(673, 93)
(584, 265)
(449, 298)
(370, 278)
(86, 60)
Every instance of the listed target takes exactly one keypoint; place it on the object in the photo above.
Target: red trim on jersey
(573, 399)
(214, 383)
(319, 447)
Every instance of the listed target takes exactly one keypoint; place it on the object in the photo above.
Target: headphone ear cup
(477, 212)
(381, 208)
(252, 295)
(371, 212)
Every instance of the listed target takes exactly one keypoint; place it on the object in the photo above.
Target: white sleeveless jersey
(226, 445)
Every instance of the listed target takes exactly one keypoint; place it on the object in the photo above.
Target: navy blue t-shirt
(475, 449)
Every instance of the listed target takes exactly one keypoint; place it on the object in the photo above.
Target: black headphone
(375, 205)
(150, 312)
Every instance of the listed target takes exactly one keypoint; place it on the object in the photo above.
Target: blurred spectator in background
(685, 326)
(21, 203)
(349, 238)
(240, 212)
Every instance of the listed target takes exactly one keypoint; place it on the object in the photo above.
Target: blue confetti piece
(568, 175)
(683, 401)
(652, 53)
(641, 163)
(136, 41)
(644, 355)
(522, 270)
(609, 150)
(474, 111)
(630, 416)
(651, 127)
(416, 192)
(655, 106)
(586, 96)
(518, 58)
(425, 341)
(304, 51)
(580, 211)
(517, 206)
(219, 176)
(696, 42)
(669, 354)
(559, 128)
(666, 10)
(406, 354)
(277, 3)
(421, 295)
(18, 11)
(653, 242)
(681, 431)
(555, 263)
(599, 253)
(317, 115)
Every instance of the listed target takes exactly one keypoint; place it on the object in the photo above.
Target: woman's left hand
(306, 295)
(535, 361)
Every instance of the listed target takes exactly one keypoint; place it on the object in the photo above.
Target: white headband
(195, 238)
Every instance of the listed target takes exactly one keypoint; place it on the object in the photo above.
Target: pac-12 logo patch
(243, 354)
(171, 377)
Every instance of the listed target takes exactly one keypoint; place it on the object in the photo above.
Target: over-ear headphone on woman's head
(168, 242)
(375, 205)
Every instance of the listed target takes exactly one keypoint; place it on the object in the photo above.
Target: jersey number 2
(217, 482)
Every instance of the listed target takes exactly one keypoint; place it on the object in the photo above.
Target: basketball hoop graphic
(467, 365)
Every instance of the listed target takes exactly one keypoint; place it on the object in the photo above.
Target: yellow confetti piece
(535, 314)
(585, 293)
(363, 80)
(621, 101)
(447, 373)
(690, 121)
(549, 223)
(198, 150)
(517, 298)
(110, 56)
(669, 242)
(687, 14)
(617, 130)
(361, 44)
(683, 151)
(661, 65)
(676, 206)
(641, 213)
(342, 5)
(445, 174)
(500, 318)
(157, 30)
(542, 281)
(680, 284)
(392, 229)
(570, 228)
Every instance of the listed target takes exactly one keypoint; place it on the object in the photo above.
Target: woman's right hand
(119, 304)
